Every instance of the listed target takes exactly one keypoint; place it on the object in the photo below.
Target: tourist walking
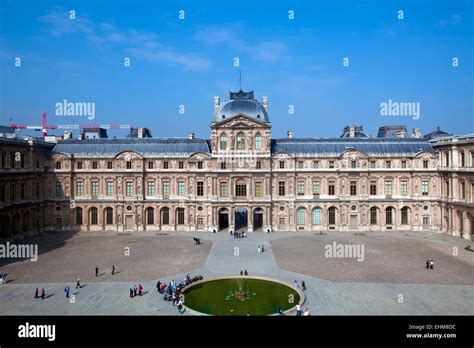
(96, 271)
(431, 264)
(241, 272)
(113, 269)
(134, 291)
(43, 293)
(66, 290)
(298, 310)
(140, 289)
(262, 248)
(258, 249)
(427, 264)
(158, 286)
(303, 285)
(37, 293)
(78, 284)
(246, 273)
(296, 284)
(131, 292)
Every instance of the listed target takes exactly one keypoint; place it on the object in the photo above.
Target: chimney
(416, 133)
(351, 131)
(290, 134)
(191, 136)
(265, 103)
(216, 105)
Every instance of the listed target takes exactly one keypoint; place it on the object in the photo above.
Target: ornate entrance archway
(257, 219)
(241, 219)
(223, 219)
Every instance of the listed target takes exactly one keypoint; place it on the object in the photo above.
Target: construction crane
(44, 127)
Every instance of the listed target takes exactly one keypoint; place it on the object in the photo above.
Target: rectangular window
(165, 165)
(353, 188)
(281, 188)
(462, 159)
(404, 164)
(300, 214)
(181, 188)
(110, 188)
(110, 165)
(258, 189)
(388, 164)
(282, 164)
(316, 216)
(258, 165)
(166, 188)
(331, 188)
(79, 165)
(223, 165)
(388, 216)
(95, 188)
(79, 188)
(241, 190)
(223, 189)
(463, 190)
(373, 188)
(150, 188)
(199, 165)
(331, 164)
(281, 221)
(300, 164)
(353, 164)
(94, 165)
(424, 187)
(373, 216)
(404, 216)
(58, 165)
(316, 188)
(129, 188)
(180, 164)
(12, 191)
(316, 164)
(150, 165)
(129, 165)
(372, 164)
(404, 187)
(300, 188)
(200, 188)
(180, 216)
(166, 216)
(388, 187)
(425, 164)
(59, 189)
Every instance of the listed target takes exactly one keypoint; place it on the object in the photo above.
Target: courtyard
(393, 265)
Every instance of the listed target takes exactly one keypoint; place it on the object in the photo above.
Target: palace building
(241, 179)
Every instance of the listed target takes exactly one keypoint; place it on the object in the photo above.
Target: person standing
(134, 291)
(296, 284)
(303, 285)
(431, 264)
(113, 269)
(298, 310)
(241, 272)
(131, 292)
(43, 293)
(78, 284)
(66, 290)
(96, 271)
(427, 264)
(37, 293)
(258, 249)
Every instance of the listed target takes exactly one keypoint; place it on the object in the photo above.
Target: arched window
(223, 142)
(165, 218)
(332, 216)
(300, 213)
(317, 216)
(150, 216)
(405, 212)
(389, 216)
(258, 141)
(109, 216)
(373, 216)
(78, 216)
(93, 216)
(240, 141)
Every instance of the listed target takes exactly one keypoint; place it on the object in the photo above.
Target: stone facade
(242, 179)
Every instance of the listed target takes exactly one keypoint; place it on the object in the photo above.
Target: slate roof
(337, 146)
(437, 133)
(146, 147)
(241, 103)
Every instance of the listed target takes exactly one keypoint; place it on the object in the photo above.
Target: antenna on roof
(240, 78)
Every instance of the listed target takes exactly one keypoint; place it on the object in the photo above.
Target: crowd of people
(173, 291)
(136, 290)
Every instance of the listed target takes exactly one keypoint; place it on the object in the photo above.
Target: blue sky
(186, 62)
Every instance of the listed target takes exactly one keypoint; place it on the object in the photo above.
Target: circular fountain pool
(240, 296)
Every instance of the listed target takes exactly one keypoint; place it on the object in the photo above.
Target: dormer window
(223, 142)
(240, 141)
(258, 141)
